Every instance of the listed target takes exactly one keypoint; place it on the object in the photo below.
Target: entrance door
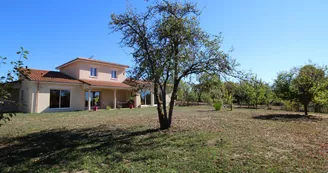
(94, 94)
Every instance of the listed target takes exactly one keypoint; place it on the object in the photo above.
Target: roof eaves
(100, 61)
(71, 83)
(67, 63)
(127, 87)
(86, 59)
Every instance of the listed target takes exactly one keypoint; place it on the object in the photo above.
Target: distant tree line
(298, 89)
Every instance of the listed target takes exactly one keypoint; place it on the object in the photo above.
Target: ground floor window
(60, 98)
(145, 97)
(93, 95)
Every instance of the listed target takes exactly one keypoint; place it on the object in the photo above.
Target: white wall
(81, 70)
(29, 88)
(31, 103)
(71, 70)
(76, 100)
(103, 72)
(77, 96)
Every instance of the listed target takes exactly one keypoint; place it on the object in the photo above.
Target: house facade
(80, 84)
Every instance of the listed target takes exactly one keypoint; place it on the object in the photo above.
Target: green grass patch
(201, 140)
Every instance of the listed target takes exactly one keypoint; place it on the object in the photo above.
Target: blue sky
(267, 36)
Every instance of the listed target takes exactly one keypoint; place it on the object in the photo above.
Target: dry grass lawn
(201, 140)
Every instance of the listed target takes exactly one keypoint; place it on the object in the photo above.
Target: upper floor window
(114, 74)
(93, 71)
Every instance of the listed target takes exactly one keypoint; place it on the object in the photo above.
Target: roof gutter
(110, 87)
(57, 82)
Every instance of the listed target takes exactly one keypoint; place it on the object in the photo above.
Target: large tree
(6, 83)
(259, 89)
(302, 85)
(168, 44)
(248, 92)
(306, 84)
(240, 93)
(269, 95)
(251, 91)
(282, 85)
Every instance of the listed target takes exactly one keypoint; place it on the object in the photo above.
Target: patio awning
(108, 84)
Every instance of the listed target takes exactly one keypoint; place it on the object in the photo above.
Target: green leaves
(303, 85)
(169, 44)
(321, 92)
(306, 83)
(254, 92)
(282, 85)
(6, 80)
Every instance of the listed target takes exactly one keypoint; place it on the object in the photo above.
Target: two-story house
(76, 86)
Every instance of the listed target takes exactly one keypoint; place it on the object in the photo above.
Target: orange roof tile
(48, 76)
(58, 77)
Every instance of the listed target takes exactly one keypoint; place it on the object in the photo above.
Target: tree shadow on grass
(63, 149)
(287, 117)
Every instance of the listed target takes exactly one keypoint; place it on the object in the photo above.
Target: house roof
(48, 76)
(90, 61)
(106, 83)
(59, 77)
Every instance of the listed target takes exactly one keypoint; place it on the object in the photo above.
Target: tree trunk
(231, 106)
(163, 122)
(306, 109)
(199, 97)
(165, 119)
(173, 97)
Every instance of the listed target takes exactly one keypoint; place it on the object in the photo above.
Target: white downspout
(36, 98)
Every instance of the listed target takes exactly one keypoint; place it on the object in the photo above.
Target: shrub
(217, 106)
(108, 108)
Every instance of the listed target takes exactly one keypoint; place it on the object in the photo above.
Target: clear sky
(267, 36)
